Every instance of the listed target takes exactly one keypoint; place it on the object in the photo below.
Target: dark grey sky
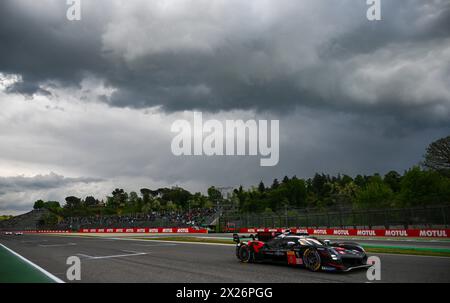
(93, 100)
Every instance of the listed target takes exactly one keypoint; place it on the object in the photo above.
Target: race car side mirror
(236, 238)
(327, 242)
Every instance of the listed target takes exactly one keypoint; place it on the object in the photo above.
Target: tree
(146, 208)
(296, 192)
(178, 196)
(393, 179)
(437, 156)
(135, 201)
(39, 204)
(52, 205)
(90, 201)
(420, 187)
(275, 184)
(118, 200)
(146, 194)
(214, 195)
(73, 202)
(261, 187)
(375, 194)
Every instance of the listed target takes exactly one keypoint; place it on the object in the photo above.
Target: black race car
(300, 249)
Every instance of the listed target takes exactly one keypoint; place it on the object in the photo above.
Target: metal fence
(436, 216)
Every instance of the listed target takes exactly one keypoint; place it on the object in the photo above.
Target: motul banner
(400, 233)
(175, 230)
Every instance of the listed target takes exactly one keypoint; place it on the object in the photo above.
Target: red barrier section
(175, 230)
(45, 231)
(400, 233)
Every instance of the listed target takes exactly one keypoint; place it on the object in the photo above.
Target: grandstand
(193, 218)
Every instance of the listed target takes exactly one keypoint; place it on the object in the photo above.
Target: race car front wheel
(245, 255)
(311, 259)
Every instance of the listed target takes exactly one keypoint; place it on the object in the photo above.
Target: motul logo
(93, 230)
(101, 230)
(110, 230)
(302, 231)
(141, 230)
(167, 230)
(129, 230)
(365, 233)
(119, 230)
(341, 232)
(153, 230)
(432, 233)
(182, 230)
(251, 230)
(320, 232)
(396, 233)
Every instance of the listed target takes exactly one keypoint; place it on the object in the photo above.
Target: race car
(18, 233)
(8, 233)
(300, 249)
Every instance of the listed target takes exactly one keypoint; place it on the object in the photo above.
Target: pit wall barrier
(398, 233)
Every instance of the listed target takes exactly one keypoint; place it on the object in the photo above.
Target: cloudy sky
(87, 106)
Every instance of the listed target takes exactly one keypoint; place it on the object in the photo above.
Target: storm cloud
(250, 55)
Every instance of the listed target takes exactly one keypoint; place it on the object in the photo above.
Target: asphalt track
(118, 260)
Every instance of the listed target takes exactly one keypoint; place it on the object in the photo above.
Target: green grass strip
(15, 270)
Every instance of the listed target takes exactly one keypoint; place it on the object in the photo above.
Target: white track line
(51, 276)
(175, 242)
(155, 245)
(57, 245)
(133, 253)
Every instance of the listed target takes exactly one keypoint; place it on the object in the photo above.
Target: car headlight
(333, 254)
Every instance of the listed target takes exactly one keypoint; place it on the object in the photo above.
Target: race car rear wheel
(311, 259)
(245, 255)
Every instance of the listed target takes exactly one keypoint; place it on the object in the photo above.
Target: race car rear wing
(266, 236)
(237, 239)
(261, 236)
